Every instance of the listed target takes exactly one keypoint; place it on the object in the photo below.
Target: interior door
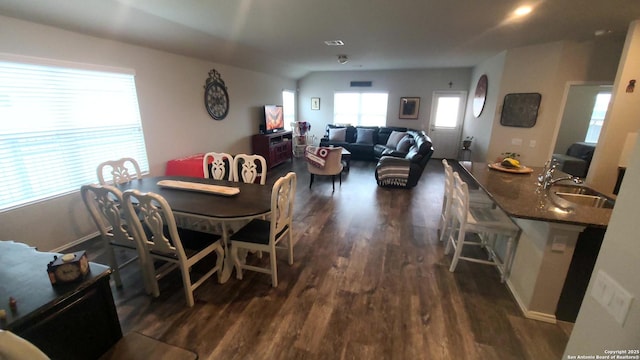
(445, 124)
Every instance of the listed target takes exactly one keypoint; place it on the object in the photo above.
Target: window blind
(365, 109)
(58, 123)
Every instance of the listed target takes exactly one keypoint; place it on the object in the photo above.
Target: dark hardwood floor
(370, 281)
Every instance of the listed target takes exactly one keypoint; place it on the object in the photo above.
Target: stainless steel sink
(583, 196)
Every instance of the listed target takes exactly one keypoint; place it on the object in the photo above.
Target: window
(447, 113)
(289, 108)
(597, 117)
(365, 109)
(57, 123)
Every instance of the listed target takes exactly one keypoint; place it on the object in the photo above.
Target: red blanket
(316, 155)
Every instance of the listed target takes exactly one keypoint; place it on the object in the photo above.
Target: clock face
(68, 272)
(216, 100)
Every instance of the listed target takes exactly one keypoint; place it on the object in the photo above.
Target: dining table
(245, 202)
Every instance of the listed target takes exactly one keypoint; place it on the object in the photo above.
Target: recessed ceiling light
(523, 10)
(334, 42)
(602, 32)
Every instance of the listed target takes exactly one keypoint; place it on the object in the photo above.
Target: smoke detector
(342, 59)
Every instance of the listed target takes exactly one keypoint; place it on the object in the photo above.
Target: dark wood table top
(253, 199)
(24, 277)
(516, 195)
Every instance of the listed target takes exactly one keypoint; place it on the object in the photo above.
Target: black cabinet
(67, 321)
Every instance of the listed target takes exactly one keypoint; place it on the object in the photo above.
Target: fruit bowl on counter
(511, 165)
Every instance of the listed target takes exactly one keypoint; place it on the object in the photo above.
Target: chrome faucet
(545, 178)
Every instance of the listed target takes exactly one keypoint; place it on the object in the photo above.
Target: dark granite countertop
(516, 195)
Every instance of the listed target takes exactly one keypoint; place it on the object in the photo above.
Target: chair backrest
(120, 171)
(448, 182)
(104, 203)
(160, 232)
(249, 168)
(282, 195)
(460, 199)
(221, 166)
(332, 163)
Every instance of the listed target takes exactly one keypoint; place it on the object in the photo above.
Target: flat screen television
(273, 120)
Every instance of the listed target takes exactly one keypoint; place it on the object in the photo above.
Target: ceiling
(286, 37)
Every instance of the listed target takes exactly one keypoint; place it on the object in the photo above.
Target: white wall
(398, 83)
(481, 127)
(170, 93)
(544, 69)
(622, 118)
(595, 330)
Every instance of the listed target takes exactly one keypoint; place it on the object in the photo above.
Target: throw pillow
(338, 134)
(364, 136)
(395, 138)
(405, 144)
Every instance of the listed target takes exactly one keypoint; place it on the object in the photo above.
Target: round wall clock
(216, 97)
(480, 96)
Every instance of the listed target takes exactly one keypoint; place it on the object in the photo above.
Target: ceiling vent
(361, 84)
(343, 59)
(334, 43)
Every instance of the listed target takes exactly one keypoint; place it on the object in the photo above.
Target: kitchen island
(552, 230)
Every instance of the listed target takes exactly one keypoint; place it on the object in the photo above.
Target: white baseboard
(64, 247)
(534, 315)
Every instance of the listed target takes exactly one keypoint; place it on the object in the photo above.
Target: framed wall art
(520, 110)
(315, 103)
(480, 97)
(409, 107)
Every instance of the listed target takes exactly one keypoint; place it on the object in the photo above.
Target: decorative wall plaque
(520, 110)
(480, 97)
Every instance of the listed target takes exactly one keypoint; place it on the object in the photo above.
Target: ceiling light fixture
(523, 10)
(342, 59)
(602, 32)
(334, 43)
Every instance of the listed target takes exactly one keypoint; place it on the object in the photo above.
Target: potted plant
(466, 143)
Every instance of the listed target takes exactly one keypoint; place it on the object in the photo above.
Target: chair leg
(274, 268)
(333, 182)
(340, 178)
(114, 265)
(290, 247)
(310, 181)
(459, 246)
(186, 282)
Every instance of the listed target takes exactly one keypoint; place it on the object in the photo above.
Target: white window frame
(58, 121)
(289, 108)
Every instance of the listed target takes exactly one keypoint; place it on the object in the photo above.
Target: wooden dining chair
(488, 221)
(104, 203)
(269, 235)
(163, 240)
(217, 166)
(250, 168)
(118, 171)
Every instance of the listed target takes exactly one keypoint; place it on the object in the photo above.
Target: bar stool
(490, 221)
(477, 198)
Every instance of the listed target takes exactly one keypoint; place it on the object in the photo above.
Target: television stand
(276, 147)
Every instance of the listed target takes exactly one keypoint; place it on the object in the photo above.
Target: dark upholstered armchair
(404, 172)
